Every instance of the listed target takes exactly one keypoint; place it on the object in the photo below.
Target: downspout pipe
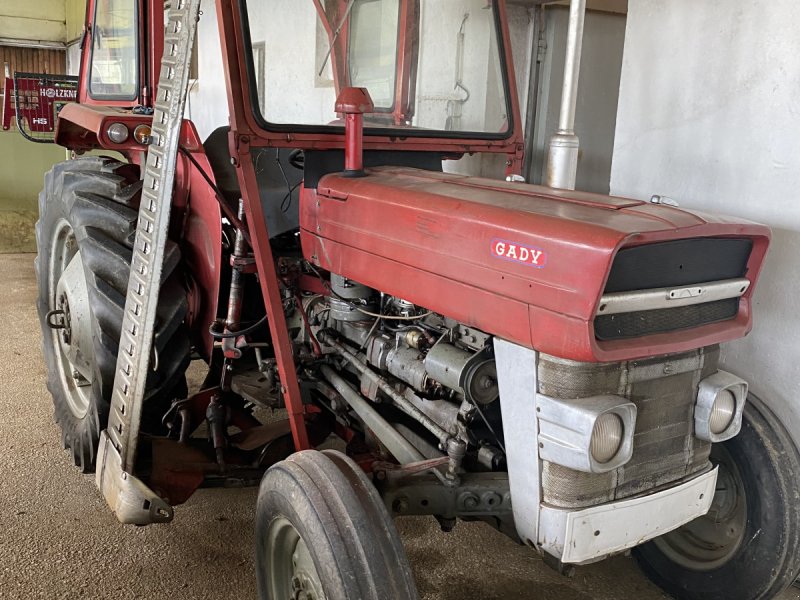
(562, 154)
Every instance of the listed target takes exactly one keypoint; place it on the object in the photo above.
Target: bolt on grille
(646, 322)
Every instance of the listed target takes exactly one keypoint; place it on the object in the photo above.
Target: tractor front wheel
(748, 545)
(88, 212)
(322, 532)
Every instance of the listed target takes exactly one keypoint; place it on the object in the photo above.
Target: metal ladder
(130, 499)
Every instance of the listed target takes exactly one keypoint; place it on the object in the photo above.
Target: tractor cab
(438, 74)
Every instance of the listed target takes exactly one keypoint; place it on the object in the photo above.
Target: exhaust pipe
(562, 155)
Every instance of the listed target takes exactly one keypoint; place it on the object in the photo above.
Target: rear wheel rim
(712, 540)
(76, 386)
(289, 569)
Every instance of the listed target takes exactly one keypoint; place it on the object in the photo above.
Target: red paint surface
(427, 237)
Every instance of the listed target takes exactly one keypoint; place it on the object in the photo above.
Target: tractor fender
(201, 241)
(197, 220)
(81, 127)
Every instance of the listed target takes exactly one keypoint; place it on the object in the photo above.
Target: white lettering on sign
(59, 93)
(521, 253)
(40, 121)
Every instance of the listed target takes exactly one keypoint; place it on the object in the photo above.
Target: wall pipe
(562, 156)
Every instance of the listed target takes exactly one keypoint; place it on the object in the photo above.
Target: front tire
(748, 546)
(322, 532)
(88, 212)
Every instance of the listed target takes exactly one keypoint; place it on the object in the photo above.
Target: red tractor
(540, 359)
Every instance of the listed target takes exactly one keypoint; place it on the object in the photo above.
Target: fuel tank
(532, 264)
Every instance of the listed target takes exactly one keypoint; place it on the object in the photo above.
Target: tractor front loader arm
(130, 499)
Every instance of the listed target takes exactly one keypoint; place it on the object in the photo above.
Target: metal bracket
(476, 495)
(131, 500)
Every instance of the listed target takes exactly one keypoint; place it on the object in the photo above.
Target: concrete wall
(595, 116)
(34, 20)
(709, 115)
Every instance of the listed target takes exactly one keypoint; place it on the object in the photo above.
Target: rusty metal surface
(180, 469)
(253, 387)
(258, 437)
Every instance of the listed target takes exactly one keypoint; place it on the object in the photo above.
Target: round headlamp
(607, 437)
(722, 412)
(118, 133)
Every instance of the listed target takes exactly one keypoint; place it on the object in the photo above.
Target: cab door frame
(150, 45)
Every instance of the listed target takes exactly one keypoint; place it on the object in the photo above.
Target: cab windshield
(432, 67)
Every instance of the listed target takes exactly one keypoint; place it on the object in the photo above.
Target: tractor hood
(527, 263)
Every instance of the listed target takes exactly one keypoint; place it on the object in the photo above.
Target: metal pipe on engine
(562, 155)
(400, 448)
(397, 399)
(237, 284)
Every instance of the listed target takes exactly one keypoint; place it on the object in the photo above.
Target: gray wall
(601, 63)
(709, 114)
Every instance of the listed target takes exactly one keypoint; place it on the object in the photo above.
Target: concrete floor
(58, 540)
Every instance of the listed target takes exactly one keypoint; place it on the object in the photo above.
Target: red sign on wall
(35, 100)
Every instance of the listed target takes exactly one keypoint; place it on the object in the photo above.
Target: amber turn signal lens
(143, 134)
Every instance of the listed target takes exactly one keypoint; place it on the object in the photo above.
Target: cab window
(114, 71)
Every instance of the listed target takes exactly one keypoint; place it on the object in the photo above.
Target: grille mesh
(647, 322)
(664, 446)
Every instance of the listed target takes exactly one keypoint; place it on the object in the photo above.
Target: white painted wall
(709, 114)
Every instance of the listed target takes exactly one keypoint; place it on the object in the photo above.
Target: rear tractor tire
(87, 223)
(323, 533)
(748, 545)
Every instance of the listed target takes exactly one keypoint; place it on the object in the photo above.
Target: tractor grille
(647, 322)
(664, 447)
(678, 263)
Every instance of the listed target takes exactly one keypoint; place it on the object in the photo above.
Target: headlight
(720, 402)
(593, 435)
(118, 133)
(606, 437)
(723, 412)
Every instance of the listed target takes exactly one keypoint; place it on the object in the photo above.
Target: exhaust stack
(562, 155)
